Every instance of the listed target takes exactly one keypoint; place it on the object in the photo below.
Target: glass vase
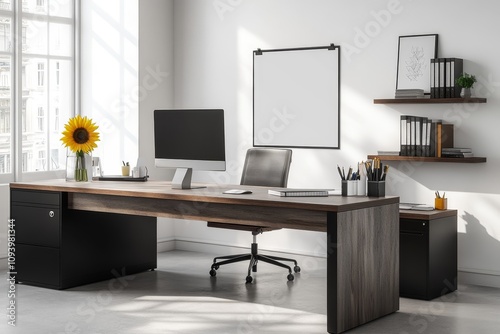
(78, 166)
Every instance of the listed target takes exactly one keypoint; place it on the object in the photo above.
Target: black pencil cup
(376, 188)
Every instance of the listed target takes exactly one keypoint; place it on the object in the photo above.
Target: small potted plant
(466, 81)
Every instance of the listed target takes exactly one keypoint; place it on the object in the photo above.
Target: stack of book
(457, 152)
(424, 137)
(444, 72)
(409, 93)
(395, 153)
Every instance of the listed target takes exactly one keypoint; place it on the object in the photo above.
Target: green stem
(80, 170)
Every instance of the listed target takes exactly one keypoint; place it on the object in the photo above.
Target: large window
(37, 89)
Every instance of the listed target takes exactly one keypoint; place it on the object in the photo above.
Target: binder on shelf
(423, 134)
(447, 136)
(402, 135)
(433, 78)
(433, 142)
(448, 83)
(412, 136)
(442, 78)
(439, 139)
(428, 124)
(456, 70)
(436, 78)
(444, 137)
(408, 135)
(418, 136)
(289, 192)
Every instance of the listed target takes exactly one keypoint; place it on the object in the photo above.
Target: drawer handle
(51, 214)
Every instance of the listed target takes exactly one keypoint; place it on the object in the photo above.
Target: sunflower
(80, 134)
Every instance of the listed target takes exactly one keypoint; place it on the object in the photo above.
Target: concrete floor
(181, 297)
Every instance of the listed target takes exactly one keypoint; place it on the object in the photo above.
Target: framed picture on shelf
(414, 59)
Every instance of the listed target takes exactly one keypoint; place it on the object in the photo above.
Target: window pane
(34, 37)
(61, 8)
(35, 6)
(5, 34)
(60, 108)
(5, 4)
(60, 39)
(45, 71)
(5, 115)
(35, 139)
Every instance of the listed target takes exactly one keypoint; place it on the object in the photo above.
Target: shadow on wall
(477, 237)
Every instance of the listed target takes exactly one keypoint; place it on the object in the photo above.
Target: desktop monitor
(188, 139)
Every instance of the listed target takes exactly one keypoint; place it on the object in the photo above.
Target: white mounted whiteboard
(296, 97)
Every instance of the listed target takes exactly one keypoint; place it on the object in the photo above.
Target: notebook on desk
(288, 192)
(413, 206)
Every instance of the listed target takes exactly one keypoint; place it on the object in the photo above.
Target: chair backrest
(266, 167)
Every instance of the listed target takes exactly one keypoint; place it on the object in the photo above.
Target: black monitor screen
(192, 134)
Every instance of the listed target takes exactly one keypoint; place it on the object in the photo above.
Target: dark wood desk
(362, 234)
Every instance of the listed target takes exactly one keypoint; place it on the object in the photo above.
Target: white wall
(109, 77)
(126, 66)
(213, 47)
(156, 67)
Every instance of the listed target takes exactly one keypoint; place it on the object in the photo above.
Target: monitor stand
(182, 179)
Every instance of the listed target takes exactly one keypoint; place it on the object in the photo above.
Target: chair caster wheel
(290, 277)
(296, 269)
(249, 279)
(213, 272)
(254, 268)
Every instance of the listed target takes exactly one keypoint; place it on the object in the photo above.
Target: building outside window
(41, 119)
(41, 161)
(41, 74)
(57, 73)
(5, 163)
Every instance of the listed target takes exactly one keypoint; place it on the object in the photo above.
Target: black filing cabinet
(38, 225)
(428, 253)
(58, 247)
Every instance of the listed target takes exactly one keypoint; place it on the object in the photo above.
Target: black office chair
(268, 168)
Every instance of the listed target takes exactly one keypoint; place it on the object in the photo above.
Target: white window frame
(17, 156)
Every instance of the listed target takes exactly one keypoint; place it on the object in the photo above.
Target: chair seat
(250, 228)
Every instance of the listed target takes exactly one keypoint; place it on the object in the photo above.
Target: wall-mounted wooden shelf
(428, 159)
(427, 100)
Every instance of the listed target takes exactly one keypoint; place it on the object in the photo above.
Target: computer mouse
(237, 191)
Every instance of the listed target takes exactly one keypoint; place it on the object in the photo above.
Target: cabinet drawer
(37, 265)
(413, 265)
(36, 225)
(36, 197)
(413, 225)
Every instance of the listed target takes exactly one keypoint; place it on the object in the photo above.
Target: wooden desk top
(212, 194)
(426, 215)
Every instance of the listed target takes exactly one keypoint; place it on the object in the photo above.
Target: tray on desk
(121, 178)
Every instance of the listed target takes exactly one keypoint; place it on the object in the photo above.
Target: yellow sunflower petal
(83, 126)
